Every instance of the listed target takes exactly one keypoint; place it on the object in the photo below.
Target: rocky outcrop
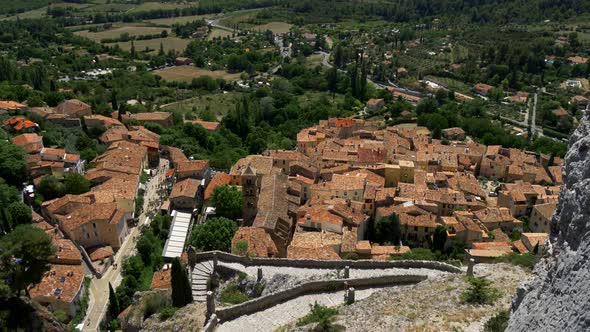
(188, 318)
(558, 296)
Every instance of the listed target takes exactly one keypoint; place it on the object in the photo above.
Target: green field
(117, 32)
(215, 32)
(239, 17)
(220, 103)
(187, 73)
(42, 12)
(147, 6)
(170, 43)
(276, 27)
(178, 20)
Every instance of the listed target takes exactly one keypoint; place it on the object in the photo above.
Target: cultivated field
(219, 103)
(276, 27)
(147, 6)
(187, 73)
(215, 32)
(238, 17)
(42, 12)
(117, 32)
(170, 43)
(178, 20)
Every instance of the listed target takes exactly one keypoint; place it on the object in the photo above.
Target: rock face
(558, 296)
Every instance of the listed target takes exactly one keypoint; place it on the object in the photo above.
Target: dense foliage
(214, 234)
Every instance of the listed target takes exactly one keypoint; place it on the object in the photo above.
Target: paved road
(534, 118)
(99, 288)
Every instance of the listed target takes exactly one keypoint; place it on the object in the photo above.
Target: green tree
(215, 234)
(181, 287)
(227, 201)
(24, 257)
(13, 167)
(114, 308)
(20, 213)
(498, 323)
(480, 291)
(75, 184)
(388, 230)
(439, 238)
(49, 187)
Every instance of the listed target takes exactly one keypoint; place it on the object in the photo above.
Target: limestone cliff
(558, 296)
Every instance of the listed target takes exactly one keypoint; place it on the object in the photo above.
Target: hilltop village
(329, 199)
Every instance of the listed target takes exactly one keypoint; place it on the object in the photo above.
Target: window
(94, 224)
(95, 234)
(62, 280)
(416, 228)
(87, 235)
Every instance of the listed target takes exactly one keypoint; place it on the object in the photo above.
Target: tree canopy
(181, 287)
(215, 234)
(388, 230)
(227, 201)
(13, 167)
(24, 257)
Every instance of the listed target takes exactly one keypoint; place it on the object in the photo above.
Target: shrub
(233, 295)
(166, 313)
(351, 256)
(498, 323)
(317, 314)
(61, 316)
(480, 291)
(527, 260)
(422, 254)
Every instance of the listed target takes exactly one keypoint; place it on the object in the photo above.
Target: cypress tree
(181, 288)
(114, 309)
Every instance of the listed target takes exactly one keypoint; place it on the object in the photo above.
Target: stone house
(186, 194)
(61, 288)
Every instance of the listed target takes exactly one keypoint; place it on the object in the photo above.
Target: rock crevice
(558, 296)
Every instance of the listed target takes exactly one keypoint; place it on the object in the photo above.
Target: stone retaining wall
(313, 287)
(195, 257)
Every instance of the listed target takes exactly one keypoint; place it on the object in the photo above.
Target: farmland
(276, 27)
(187, 73)
(169, 43)
(117, 32)
(220, 103)
(178, 20)
(216, 32)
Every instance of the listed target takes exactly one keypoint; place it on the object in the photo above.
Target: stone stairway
(200, 275)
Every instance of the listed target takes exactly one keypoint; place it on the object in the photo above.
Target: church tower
(250, 195)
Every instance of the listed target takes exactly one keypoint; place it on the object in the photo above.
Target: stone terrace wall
(270, 300)
(195, 257)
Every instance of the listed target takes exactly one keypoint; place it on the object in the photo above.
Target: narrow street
(99, 288)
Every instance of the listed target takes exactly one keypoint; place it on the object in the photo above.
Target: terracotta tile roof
(113, 134)
(67, 252)
(101, 253)
(209, 125)
(61, 282)
(534, 238)
(105, 121)
(272, 201)
(316, 239)
(73, 108)
(349, 240)
(151, 116)
(66, 204)
(500, 236)
(500, 246)
(546, 210)
(32, 143)
(519, 247)
(95, 212)
(219, 179)
(53, 152)
(185, 188)
(10, 105)
(377, 250)
(495, 215)
(162, 279)
(259, 242)
(192, 166)
(322, 253)
(19, 123)
(43, 111)
(344, 182)
(483, 87)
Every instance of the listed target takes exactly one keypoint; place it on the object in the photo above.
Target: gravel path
(281, 314)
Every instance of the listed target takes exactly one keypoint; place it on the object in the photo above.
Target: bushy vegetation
(527, 260)
(498, 323)
(233, 295)
(317, 314)
(480, 291)
(214, 234)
